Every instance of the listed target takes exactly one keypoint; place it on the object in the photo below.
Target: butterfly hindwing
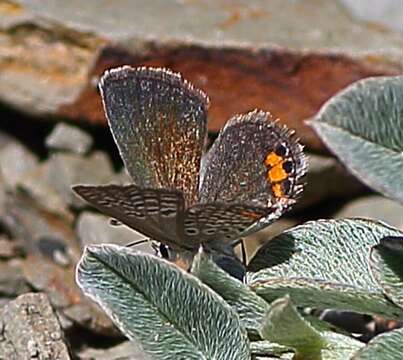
(254, 161)
(158, 121)
(156, 213)
(219, 223)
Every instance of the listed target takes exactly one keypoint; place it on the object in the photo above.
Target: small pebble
(69, 138)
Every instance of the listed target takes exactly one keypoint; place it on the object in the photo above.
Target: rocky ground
(244, 56)
(43, 230)
(44, 227)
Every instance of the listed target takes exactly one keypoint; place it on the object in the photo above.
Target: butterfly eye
(160, 249)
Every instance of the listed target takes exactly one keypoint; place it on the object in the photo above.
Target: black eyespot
(209, 231)
(286, 184)
(288, 166)
(191, 231)
(281, 150)
(224, 230)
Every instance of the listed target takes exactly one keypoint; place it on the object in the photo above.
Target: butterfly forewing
(158, 121)
(156, 213)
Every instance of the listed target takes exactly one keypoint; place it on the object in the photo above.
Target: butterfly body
(180, 196)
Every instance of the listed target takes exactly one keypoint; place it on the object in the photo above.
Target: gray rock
(90, 315)
(78, 313)
(126, 350)
(15, 161)
(3, 197)
(55, 282)
(36, 184)
(65, 323)
(54, 249)
(374, 207)
(326, 179)
(52, 253)
(291, 62)
(212, 23)
(32, 330)
(69, 138)
(12, 280)
(94, 228)
(25, 219)
(386, 13)
(9, 249)
(6, 139)
(66, 170)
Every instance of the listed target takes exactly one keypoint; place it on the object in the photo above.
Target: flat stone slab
(284, 56)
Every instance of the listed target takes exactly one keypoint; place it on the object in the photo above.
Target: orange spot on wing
(277, 190)
(273, 159)
(277, 173)
(251, 214)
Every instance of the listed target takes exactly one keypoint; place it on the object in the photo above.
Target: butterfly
(181, 196)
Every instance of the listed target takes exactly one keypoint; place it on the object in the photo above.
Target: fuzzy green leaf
(324, 264)
(339, 347)
(387, 346)
(284, 325)
(170, 312)
(363, 126)
(387, 267)
(264, 349)
(250, 307)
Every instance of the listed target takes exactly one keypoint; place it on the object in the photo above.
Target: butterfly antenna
(137, 242)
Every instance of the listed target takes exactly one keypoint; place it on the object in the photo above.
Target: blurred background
(284, 56)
